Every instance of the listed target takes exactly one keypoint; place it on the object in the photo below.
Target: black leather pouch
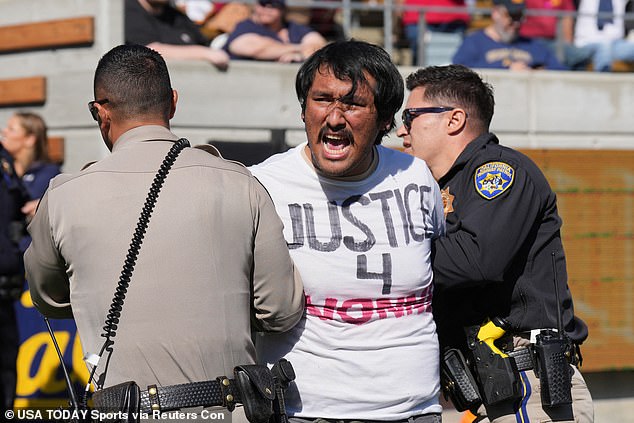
(257, 391)
(119, 403)
(457, 381)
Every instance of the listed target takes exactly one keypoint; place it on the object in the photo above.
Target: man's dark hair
(135, 81)
(456, 86)
(348, 60)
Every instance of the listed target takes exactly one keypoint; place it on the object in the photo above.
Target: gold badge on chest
(447, 201)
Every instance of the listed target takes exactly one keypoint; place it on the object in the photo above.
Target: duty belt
(523, 357)
(221, 392)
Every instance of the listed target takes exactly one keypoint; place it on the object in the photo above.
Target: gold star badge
(6, 167)
(447, 201)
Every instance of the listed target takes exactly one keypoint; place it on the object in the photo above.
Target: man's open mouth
(335, 146)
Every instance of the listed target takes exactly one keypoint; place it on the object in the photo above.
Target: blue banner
(41, 382)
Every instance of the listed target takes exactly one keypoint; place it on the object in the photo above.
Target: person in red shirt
(544, 27)
(455, 22)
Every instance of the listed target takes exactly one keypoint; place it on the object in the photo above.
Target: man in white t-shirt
(602, 33)
(359, 220)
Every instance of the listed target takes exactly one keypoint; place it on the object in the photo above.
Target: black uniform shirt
(496, 259)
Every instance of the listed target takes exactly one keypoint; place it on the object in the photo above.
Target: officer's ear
(174, 101)
(457, 120)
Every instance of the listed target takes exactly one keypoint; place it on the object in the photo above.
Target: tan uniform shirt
(212, 257)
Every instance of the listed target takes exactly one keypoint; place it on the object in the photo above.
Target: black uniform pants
(9, 343)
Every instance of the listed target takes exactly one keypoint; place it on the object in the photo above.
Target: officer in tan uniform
(212, 261)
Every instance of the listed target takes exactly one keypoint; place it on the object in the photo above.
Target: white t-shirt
(367, 346)
(586, 30)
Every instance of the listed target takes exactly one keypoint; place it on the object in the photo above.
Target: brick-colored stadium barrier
(595, 191)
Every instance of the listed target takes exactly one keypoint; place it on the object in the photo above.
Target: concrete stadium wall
(542, 109)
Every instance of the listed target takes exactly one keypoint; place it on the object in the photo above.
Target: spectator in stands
(453, 22)
(605, 34)
(161, 27)
(500, 46)
(544, 28)
(25, 139)
(223, 19)
(267, 35)
(322, 20)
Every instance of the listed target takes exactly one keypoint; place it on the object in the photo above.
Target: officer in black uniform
(12, 197)
(496, 269)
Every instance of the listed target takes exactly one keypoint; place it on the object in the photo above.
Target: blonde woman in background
(24, 137)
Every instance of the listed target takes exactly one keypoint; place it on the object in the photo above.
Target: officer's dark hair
(348, 60)
(135, 80)
(456, 86)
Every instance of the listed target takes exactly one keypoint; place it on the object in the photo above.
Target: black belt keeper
(524, 358)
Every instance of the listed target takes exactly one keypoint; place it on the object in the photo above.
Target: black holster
(118, 403)
(262, 391)
(257, 391)
(498, 376)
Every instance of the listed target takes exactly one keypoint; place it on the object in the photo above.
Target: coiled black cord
(114, 314)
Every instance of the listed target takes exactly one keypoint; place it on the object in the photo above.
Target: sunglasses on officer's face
(93, 110)
(410, 114)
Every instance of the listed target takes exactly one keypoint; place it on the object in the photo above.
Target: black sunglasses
(410, 114)
(93, 110)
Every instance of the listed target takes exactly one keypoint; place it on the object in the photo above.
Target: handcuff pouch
(257, 391)
(457, 381)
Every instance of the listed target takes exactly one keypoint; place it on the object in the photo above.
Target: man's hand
(219, 58)
(519, 66)
(29, 208)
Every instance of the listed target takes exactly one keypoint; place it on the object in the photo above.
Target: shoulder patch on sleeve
(493, 178)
